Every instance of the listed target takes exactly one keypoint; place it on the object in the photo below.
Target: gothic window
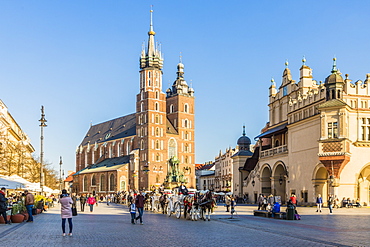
(186, 159)
(102, 183)
(142, 106)
(142, 145)
(186, 148)
(158, 157)
(156, 94)
(93, 180)
(333, 130)
(157, 119)
(171, 108)
(186, 108)
(157, 131)
(112, 183)
(157, 144)
(172, 149)
(186, 135)
(156, 106)
(185, 123)
(149, 74)
(149, 82)
(127, 148)
(84, 183)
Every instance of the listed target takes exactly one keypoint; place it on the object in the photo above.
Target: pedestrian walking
(330, 203)
(227, 202)
(82, 202)
(133, 212)
(66, 203)
(139, 202)
(260, 201)
(319, 202)
(30, 200)
(4, 205)
(91, 201)
(108, 200)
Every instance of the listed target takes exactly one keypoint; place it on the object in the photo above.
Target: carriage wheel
(178, 210)
(169, 210)
(156, 206)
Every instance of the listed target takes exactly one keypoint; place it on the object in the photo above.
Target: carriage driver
(183, 189)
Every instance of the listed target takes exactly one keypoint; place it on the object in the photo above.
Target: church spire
(151, 57)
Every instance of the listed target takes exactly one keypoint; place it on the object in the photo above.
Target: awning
(9, 184)
(272, 131)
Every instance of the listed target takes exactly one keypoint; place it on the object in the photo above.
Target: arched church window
(156, 106)
(112, 183)
(142, 106)
(158, 157)
(84, 184)
(157, 146)
(93, 180)
(142, 145)
(157, 131)
(171, 108)
(185, 123)
(156, 118)
(186, 108)
(102, 183)
(156, 94)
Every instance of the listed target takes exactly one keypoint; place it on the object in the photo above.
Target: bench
(265, 213)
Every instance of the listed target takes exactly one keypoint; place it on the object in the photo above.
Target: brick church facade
(151, 148)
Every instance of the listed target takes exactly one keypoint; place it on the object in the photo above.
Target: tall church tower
(151, 114)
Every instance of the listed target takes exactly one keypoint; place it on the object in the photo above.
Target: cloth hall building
(150, 148)
(317, 140)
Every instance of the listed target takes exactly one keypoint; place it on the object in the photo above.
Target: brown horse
(206, 204)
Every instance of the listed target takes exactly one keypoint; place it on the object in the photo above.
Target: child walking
(133, 212)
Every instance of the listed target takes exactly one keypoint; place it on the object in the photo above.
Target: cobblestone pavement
(110, 226)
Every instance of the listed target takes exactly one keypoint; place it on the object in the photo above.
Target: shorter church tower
(180, 113)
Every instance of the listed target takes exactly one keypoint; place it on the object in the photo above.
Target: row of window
(156, 106)
(150, 77)
(102, 182)
(114, 150)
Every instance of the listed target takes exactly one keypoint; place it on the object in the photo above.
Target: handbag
(74, 211)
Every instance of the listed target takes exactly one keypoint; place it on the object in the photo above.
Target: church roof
(170, 129)
(111, 130)
(332, 103)
(110, 164)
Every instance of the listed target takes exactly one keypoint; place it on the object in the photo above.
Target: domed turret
(244, 142)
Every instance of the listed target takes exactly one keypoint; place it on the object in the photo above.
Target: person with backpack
(4, 205)
(133, 212)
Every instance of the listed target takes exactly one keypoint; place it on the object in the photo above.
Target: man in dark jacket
(82, 202)
(139, 202)
(3, 205)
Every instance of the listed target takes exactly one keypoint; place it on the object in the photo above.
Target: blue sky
(80, 59)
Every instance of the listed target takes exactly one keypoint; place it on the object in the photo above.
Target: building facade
(15, 148)
(317, 140)
(154, 146)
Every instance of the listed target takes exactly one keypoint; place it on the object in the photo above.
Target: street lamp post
(42, 125)
(60, 174)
